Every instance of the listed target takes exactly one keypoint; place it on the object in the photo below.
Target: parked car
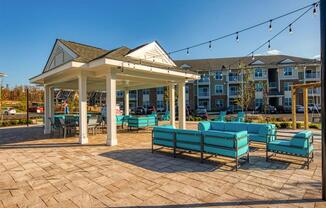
(36, 108)
(140, 110)
(202, 113)
(314, 108)
(270, 109)
(299, 108)
(151, 109)
(233, 109)
(9, 111)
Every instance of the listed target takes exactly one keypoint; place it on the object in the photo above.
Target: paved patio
(38, 171)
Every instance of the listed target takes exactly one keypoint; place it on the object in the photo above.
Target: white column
(51, 103)
(172, 104)
(83, 131)
(126, 96)
(111, 109)
(182, 105)
(47, 112)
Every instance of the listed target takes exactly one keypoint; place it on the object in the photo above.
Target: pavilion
(86, 68)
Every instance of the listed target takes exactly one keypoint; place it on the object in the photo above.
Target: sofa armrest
(204, 126)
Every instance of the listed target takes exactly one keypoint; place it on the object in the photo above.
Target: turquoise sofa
(257, 132)
(228, 144)
(142, 122)
(221, 117)
(300, 145)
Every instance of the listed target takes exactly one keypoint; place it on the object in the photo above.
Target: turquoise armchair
(221, 117)
(300, 145)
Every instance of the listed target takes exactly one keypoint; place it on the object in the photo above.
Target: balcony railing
(234, 78)
(203, 94)
(313, 75)
(272, 84)
(206, 80)
(233, 93)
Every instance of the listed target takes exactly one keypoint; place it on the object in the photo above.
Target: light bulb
(270, 25)
(290, 29)
(237, 38)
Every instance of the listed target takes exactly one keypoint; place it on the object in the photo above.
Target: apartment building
(221, 81)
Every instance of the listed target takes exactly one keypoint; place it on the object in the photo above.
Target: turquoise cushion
(226, 152)
(163, 136)
(217, 126)
(301, 139)
(225, 139)
(188, 135)
(204, 125)
(188, 146)
(286, 147)
(257, 138)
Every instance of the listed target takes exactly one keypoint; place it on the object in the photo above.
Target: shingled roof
(218, 63)
(87, 53)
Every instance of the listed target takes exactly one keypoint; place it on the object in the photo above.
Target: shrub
(285, 125)
(299, 125)
(314, 126)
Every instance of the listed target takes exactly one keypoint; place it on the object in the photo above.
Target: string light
(270, 25)
(308, 7)
(252, 56)
(315, 9)
(290, 29)
(269, 44)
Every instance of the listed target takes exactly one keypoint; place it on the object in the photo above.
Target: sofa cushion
(217, 126)
(284, 146)
(225, 139)
(253, 128)
(226, 152)
(257, 138)
(301, 139)
(183, 135)
(204, 125)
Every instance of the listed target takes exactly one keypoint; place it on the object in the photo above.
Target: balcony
(203, 81)
(272, 84)
(203, 94)
(233, 93)
(234, 78)
(313, 75)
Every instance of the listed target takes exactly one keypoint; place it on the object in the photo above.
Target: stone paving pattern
(39, 171)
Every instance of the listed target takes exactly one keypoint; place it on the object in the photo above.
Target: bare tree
(246, 92)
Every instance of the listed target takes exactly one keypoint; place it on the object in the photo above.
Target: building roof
(233, 62)
(87, 53)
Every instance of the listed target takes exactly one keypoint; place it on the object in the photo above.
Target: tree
(246, 92)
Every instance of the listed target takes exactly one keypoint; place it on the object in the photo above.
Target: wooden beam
(294, 113)
(305, 105)
(307, 85)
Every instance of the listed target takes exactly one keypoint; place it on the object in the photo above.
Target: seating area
(232, 139)
(228, 144)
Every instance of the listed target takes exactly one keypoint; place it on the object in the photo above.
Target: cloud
(317, 57)
(273, 52)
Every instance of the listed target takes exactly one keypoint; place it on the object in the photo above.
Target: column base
(111, 142)
(83, 140)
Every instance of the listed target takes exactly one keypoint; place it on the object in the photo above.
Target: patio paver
(38, 171)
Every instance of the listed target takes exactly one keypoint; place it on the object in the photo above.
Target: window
(233, 90)
(219, 89)
(204, 78)
(259, 87)
(160, 91)
(219, 103)
(287, 86)
(146, 103)
(219, 75)
(258, 73)
(146, 92)
(233, 76)
(287, 101)
(187, 89)
(288, 71)
(160, 104)
(258, 102)
(119, 93)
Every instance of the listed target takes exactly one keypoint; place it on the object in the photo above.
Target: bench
(228, 144)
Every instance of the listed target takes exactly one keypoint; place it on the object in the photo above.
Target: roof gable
(257, 62)
(151, 52)
(60, 54)
(287, 61)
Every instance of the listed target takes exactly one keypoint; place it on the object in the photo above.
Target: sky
(30, 28)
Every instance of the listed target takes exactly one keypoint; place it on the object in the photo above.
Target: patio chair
(221, 117)
(93, 123)
(68, 125)
(241, 117)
